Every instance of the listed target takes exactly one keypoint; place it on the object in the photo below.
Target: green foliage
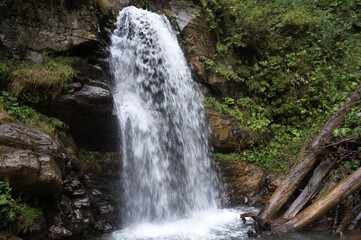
(244, 110)
(345, 169)
(29, 116)
(50, 78)
(16, 215)
(280, 152)
(351, 125)
(93, 156)
(5, 72)
(298, 61)
(233, 157)
(221, 69)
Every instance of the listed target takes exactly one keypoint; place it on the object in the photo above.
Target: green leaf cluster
(351, 126)
(27, 115)
(16, 215)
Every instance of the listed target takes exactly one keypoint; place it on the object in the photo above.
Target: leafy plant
(29, 116)
(16, 215)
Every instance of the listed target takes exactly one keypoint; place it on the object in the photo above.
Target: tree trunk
(323, 205)
(308, 192)
(306, 162)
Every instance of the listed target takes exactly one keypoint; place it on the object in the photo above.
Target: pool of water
(221, 224)
(218, 224)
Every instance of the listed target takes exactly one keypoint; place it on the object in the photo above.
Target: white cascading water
(166, 170)
(167, 175)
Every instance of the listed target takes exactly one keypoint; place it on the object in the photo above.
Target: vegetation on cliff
(297, 61)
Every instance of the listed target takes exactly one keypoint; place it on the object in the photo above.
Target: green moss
(17, 215)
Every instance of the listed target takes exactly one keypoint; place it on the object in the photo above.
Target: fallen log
(319, 208)
(306, 161)
(309, 191)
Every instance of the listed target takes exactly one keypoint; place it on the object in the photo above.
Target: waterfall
(167, 173)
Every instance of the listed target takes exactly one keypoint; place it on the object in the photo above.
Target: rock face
(55, 25)
(36, 165)
(201, 42)
(226, 134)
(243, 183)
(30, 159)
(88, 203)
(246, 184)
(87, 108)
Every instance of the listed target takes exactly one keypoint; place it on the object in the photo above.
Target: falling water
(170, 189)
(167, 173)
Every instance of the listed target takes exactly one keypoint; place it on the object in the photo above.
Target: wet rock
(59, 232)
(200, 42)
(82, 203)
(34, 57)
(226, 133)
(30, 159)
(184, 14)
(79, 193)
(96, 99)
(89, 99)
(78, 214)
(65, 204)
(243, 183)
(39, 25)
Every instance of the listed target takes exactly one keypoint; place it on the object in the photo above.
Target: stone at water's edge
(246, 184)
(243, 183)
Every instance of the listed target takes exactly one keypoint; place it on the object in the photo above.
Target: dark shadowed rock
(30, 159)
(88, 108)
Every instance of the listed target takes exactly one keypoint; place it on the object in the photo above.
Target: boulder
(30, 159)
(227, 136)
